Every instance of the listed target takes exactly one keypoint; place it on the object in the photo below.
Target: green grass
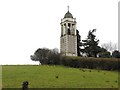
(45, 77)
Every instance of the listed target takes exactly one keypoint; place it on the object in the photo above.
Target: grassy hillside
(57, 77)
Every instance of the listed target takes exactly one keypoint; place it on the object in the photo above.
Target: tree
(42, 55)
(116, 54)
(79, 43)
(109, 46)
(34, 57)
(104, 53)
(46, 56)
(90, 45)
(54, 57)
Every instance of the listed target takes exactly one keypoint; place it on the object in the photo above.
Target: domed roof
(68, 15)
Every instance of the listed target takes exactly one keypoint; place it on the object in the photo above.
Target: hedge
(91, 63)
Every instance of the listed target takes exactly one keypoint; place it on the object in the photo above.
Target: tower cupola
(68, 15)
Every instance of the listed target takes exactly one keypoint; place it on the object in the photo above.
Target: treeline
(52, 57)
(90, 55)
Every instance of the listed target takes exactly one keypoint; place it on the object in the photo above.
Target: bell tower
(68, 38)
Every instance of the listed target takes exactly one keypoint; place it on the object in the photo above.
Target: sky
(26, 25)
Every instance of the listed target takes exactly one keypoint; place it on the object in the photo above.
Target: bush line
(91, 63)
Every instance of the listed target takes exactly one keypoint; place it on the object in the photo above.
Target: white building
(68, 39)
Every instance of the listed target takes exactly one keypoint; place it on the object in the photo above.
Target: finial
(68, 7)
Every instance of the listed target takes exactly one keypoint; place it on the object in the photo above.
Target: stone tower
(68, 39)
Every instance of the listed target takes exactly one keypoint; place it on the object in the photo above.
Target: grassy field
(57, 77)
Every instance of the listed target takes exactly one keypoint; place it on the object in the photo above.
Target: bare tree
(109, 46)
(55, 50)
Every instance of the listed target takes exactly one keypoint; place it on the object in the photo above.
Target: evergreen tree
(79, 43)
(90, 45)
(104, 53)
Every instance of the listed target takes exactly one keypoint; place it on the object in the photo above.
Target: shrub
(91, 63)
(116, 54)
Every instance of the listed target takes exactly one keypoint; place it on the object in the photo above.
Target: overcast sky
(26, 25)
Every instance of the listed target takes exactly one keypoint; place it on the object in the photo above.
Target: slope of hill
(57, 77)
